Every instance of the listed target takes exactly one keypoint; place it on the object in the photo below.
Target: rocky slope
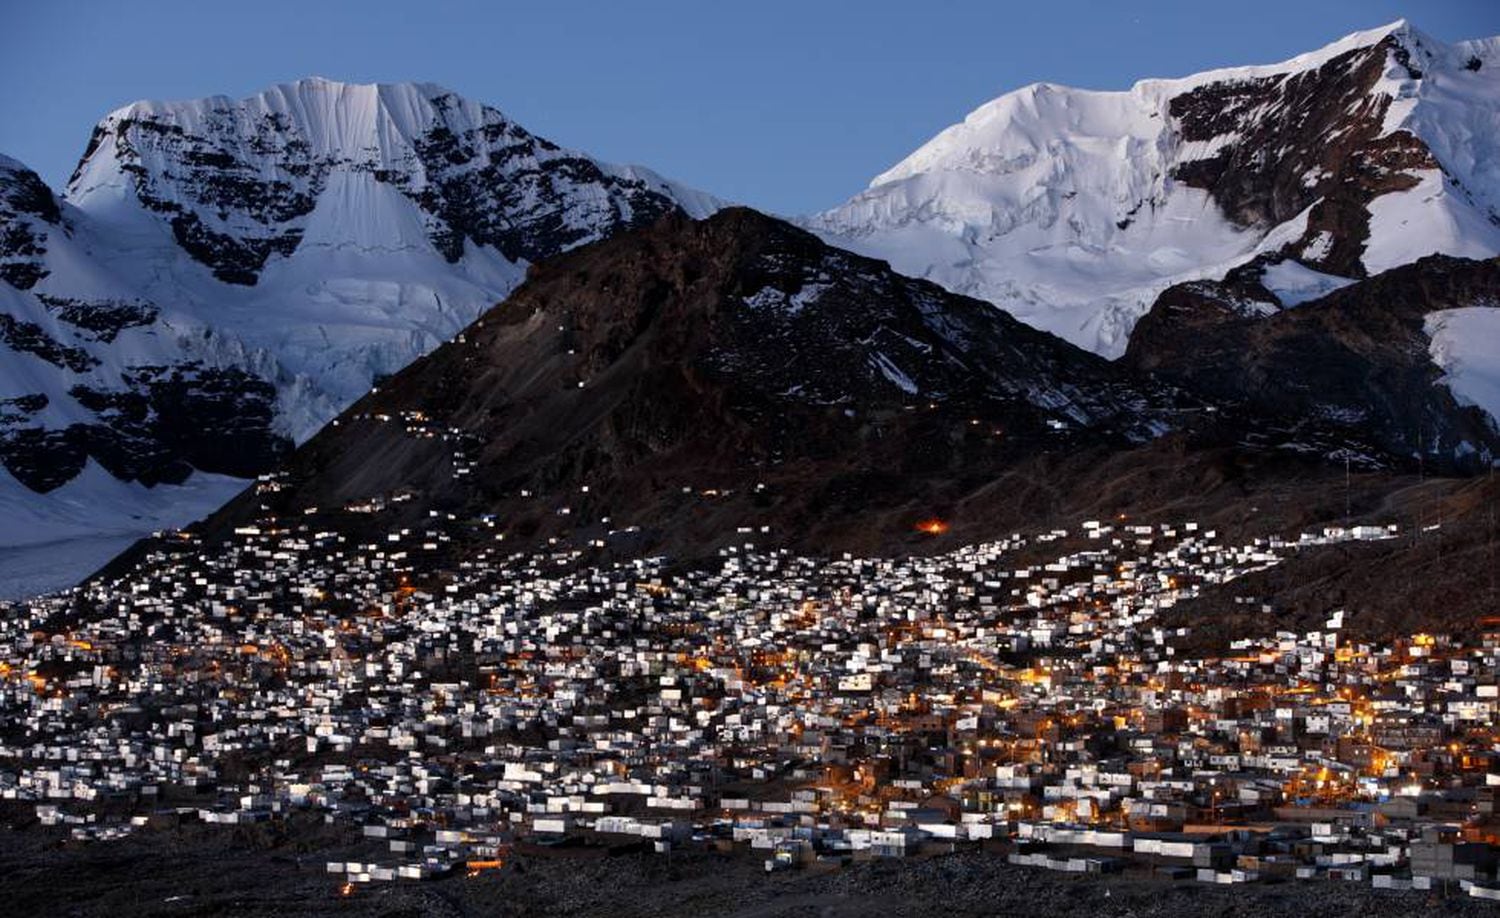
(703, 376)
(1073, 209)
(223, 276)
(1441, 575)
(701, 383)
(1359, 357)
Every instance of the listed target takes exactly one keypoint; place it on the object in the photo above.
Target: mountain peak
(243, 182)
(1073, 209)
(369, 124)
(233, 272)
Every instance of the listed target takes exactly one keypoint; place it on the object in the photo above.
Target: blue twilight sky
(788, 106)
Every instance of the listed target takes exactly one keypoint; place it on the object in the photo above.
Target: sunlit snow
(1058, 205)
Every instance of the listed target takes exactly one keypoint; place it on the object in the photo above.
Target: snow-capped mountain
(1073, 209)
(223, 276)
(340, 229)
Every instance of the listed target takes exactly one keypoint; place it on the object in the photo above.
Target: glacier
(1067, 207)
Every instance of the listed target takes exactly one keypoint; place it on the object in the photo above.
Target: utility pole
(1494, 598)
(1347, 498)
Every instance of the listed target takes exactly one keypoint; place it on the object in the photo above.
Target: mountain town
(1019, 696)
(404, 514)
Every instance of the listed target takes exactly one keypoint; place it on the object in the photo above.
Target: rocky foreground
(280, 871)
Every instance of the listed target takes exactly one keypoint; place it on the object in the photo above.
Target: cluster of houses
(1018, 695)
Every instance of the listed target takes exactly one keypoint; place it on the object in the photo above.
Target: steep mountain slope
(224, 276)
(1442, 574)
(105, 411)
(1404, 358)
(1074, 209)
(698, 377)
(702, 384)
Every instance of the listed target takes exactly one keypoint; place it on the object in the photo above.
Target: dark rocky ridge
(716, 356)
(736, 372)
(1356, 358)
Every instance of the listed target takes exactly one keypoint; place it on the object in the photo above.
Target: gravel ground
(270, 871)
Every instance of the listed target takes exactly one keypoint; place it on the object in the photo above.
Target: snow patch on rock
(1295, 283)
(1465, 343)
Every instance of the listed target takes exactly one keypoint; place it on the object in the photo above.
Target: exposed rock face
(29, 338)
(102, 319)
(237, 180)
(213, 178)
(496, 184)
(168, 422)
(1356, 358)
(26, 208)
(1312, 138)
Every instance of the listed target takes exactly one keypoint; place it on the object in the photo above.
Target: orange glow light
(933, 526)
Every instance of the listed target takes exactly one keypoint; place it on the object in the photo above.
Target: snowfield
(51, 540)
